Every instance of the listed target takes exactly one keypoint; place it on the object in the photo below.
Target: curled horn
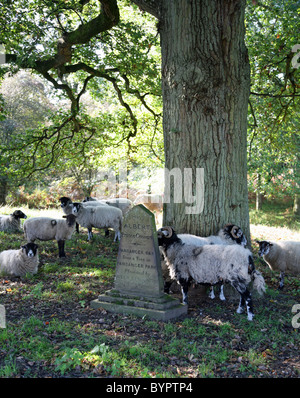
(232, 231)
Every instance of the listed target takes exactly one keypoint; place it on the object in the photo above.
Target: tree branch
(151, 6)
(275, 95)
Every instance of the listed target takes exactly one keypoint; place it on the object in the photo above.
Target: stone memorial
(138, 281)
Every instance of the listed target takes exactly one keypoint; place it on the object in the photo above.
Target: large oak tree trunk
(206, 83)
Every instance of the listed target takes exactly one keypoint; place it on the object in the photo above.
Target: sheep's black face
(76, 208)
(166, 237)
(64, 201)
(19, 214)
(264, 247)
(30, 249)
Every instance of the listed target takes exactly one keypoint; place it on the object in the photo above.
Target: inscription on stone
(138, 269)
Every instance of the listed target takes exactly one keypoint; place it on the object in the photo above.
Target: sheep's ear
(271, 244)
(257, 241)
(64, 216)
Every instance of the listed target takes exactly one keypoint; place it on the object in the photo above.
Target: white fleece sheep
(20, 262)
(46, 228)
(230, 234)
(98, 217)
(12, 222)
(283, 256)
(211, 264)
(123, 204)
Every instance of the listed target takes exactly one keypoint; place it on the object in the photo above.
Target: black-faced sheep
(20, 262)
(98, 217)
(67, 207)
(230, 234)
(12, 222)
(211, 264)
(46, 228)
(283, 256)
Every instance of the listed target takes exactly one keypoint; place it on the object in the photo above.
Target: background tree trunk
(206, 83)
(3, 191)
(296, 207)
(259, 197)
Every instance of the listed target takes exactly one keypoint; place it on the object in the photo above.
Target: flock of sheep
(184, 258)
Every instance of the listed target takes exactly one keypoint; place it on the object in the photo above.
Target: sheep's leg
(117, 236)
(106, 232)
(61, 248)
(90, 233)
(184, 290)
(211, 293)
(222, 297)
(245, 299)
(167, 286)
(281, 280)
(77, 227)
(241, 307)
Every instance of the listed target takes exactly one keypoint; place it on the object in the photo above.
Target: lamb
(281, 256)
(46, 228)
(98, 217)
(12, 222)
(20, 262)
(228, 235)
(211, 264)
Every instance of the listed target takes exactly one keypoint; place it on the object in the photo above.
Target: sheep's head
(70, 220)
(76, 208)
(166, 236)
(264, 247)
(30, 249)
(64, 201)
(235, 233)
(18, 214)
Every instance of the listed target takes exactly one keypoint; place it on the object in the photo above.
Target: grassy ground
(51, 330)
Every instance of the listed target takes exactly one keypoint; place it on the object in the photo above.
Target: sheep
(46, 228)
(67, 206)
(98, 217)
(228, 235)
(153, 202)
(20, 262)
(12, 222)
(281, 256)
(123, 204)
(211, 264)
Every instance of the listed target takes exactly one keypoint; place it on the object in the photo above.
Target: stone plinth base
(162, 308)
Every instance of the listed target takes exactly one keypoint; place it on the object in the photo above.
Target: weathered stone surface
(138, 281)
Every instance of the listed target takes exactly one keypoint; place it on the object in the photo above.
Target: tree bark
(206, 84)
(3, 191)
(259, 197)
(296, 207)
